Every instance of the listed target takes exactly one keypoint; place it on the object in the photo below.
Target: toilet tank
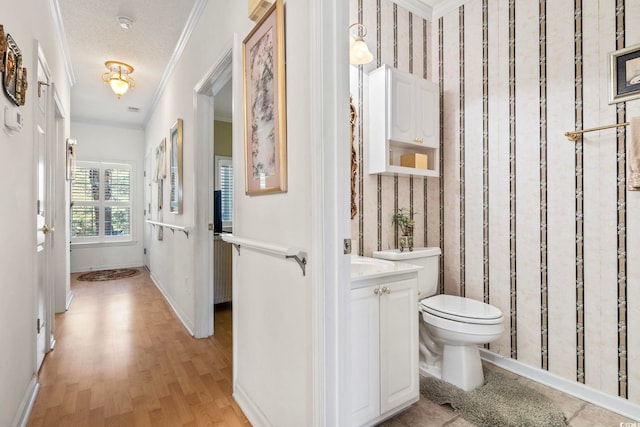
(428, 258)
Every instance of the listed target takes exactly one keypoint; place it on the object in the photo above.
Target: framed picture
(175, 170)
(265, 110)
(71, 158)
(12, 67)
(625, 74)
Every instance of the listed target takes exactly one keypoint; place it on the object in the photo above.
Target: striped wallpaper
(538, 226)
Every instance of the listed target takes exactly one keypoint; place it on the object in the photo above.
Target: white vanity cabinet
(404, 113)
(384, 350)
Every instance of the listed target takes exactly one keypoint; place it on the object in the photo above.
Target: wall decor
(12, 70)
(175, 170)
(71, 158)
(3, 48)
(354, 161)
(625, 74)
(265, 104)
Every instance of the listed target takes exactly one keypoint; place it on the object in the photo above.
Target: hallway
(122, 358)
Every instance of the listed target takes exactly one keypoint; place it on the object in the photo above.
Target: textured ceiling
(94, 36)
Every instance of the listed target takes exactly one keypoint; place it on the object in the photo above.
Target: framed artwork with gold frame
(71, 158)
(14, 76)
(175, 168)
(265, 110)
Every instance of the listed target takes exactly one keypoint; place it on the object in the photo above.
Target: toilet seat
(460, 309)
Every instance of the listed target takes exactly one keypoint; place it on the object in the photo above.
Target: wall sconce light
(358, 50)
(118, 77)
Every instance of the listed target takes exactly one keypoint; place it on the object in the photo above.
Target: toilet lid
(461, 309)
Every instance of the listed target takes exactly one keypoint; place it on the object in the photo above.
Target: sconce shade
(358, 50)
(359, 53)
(118, 77)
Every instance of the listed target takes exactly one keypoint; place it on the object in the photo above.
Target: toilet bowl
(451, 327)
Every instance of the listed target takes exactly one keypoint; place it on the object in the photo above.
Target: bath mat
(501, 401)
(102, 275)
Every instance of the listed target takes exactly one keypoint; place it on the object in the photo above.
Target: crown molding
(190, 26)
(446, 6)
(62, 41)
(416, 7)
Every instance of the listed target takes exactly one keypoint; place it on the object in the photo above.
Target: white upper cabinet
(403, 121)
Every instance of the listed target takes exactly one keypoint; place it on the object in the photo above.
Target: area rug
(102, 275)
(501, 401)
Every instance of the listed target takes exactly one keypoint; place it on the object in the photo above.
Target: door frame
(330, 221)
(203, 98)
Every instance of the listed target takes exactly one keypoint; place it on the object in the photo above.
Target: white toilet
(452, 327)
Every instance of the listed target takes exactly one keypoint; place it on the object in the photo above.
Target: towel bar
(574, 135)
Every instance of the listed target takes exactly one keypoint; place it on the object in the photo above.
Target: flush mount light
(358, 50)
(125, 22)
(118, 77)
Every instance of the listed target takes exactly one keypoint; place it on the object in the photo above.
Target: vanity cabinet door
(365, 359)
(399, 379)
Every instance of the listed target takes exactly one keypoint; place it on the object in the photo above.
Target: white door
(398, 344)
(43, 229)
(403, 106)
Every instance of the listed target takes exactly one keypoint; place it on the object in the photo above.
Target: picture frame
(175, 168)
(12, 63)
(265, 110)
(71, 158)
(625, 74)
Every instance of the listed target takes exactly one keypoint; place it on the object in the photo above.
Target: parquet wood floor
(122, 358)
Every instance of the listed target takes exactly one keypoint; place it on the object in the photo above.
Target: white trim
(26, 405)
(106, 267)
(203, 98)
(330, 220)
(181, 316)
(252, 411)
(581, 391)
(416, 7)
(62, 41)
(446, 6)
(190, 26)
(69, 299)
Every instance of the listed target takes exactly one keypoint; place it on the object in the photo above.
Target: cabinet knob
(386, 290)
(377, 291)
(418, 139)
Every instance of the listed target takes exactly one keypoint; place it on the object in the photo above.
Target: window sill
(89, 245)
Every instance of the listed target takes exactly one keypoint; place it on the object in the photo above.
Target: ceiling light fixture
(358, 50)
(125, 22)
(118, 77)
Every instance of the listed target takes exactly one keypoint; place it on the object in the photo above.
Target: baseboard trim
(255, 416)
(26, 405)
(105, 267)
(581, 391)
(181, 316)
(69, 299)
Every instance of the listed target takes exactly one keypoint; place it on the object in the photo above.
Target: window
(224, 183)
(101, 202)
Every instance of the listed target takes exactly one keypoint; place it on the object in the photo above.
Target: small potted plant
(403, 218)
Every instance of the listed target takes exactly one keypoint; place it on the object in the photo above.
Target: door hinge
(40, 84)
(347, 246)
(211, 227)
(145, 251)
(39, 326)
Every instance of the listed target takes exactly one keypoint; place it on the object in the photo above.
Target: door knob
(46, 229)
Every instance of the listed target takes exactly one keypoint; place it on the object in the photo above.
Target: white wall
(272, 300)
(26, 21)
(112, 144)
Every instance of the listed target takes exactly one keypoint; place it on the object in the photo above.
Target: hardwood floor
(122, 358)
